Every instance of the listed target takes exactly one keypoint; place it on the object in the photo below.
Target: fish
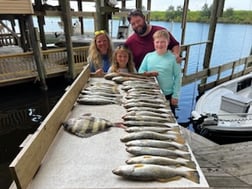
(139, 87)
(86, 126)
(138, 150)
(141, 95)
(145, 104)
(147, 113)
(148, 100)
(150, 172)
(145, 118)
(96, 100)
(158, 160)
(121, 79)
(101, 93)
(103, 84)
(157, 144)
(112, 90)
(140, 82)
(146, 124)
(110, 76)
(150, 109)
(154, 129)
(152, 135)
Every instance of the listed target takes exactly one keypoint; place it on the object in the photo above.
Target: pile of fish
(158, 150)
(100, 94)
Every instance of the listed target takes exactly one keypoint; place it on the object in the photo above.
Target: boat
(224, 113)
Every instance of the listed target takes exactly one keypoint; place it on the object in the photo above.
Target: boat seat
(234, 103)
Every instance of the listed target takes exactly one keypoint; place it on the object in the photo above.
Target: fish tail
(180, 139)
(184, 148)
(193, 176)
(187, 156)
(175, 129)
(190, 164)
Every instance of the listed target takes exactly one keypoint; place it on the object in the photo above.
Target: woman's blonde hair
(130, 63)
(162, 33)
(93, 53)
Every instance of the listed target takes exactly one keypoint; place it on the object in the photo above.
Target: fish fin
(190, 164)
(85, 115)
(176, 129)
(146, 157)
(138, 165)
(180, 139)
(169, 179)
(120, 125)
(184, 148)
(193, 176)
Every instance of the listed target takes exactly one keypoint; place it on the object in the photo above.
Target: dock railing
(213, 75)
(15, 68)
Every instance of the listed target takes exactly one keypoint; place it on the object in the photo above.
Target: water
(232, 42)
(26, 106)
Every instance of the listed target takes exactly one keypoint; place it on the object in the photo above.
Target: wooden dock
(21, 67)
(224, 166)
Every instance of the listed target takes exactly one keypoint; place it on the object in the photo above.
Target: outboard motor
(199, 121)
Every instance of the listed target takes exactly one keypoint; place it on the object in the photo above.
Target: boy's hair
(162, 33)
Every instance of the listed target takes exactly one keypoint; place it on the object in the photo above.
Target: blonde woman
(122, 61)
(100, 53)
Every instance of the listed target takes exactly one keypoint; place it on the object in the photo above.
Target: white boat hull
(225, 112)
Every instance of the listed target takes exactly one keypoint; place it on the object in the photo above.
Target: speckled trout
(157, 144)
(150, 172)
(158, 160)
(154, 129)
(137, 150)
(153, 135)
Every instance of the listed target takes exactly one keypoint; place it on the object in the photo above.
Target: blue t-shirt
(105, 64)
(169, 71)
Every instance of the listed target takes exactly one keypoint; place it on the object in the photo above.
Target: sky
(162, 5)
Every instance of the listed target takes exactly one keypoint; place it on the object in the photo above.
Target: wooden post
(102, 17)
(183, 24)
(35, 44)
(139, 4)
(81, 18)
(149, 11)
(41, 23)
(211, 34)
(67, 19)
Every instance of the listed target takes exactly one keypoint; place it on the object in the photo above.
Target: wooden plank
(234, 159)
(16, 7)
(27, 162)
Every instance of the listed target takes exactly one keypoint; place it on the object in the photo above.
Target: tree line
(228, 16)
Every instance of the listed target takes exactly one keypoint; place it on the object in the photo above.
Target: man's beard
(142, 31)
